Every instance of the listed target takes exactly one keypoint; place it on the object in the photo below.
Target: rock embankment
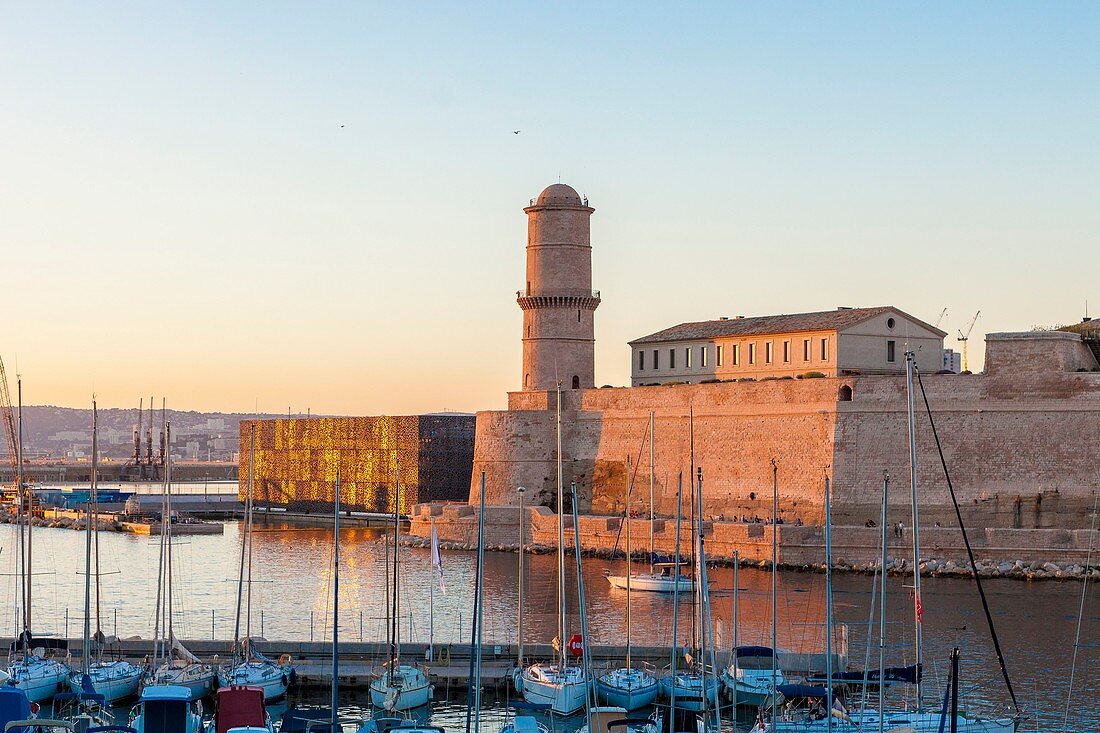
(930, 567)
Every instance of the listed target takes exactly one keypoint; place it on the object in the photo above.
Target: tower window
(718, 355)
(824, 349)
(687, 358)
(890, 351)
(768, 352)
(736, 354)
(641, 360)
(805, 349)
(656, 359)
(576, 382)
(672, 358)
(786, 352)
(578, 316)
(527, 380)
(702, 356)
(752, 353)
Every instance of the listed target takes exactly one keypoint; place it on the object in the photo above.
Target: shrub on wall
(814, 375)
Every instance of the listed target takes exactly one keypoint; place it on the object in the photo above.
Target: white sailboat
(178, 666)
(29, 669)
(398, 686)
(562, 686)
(249, 666)
(628, 687)
(115, 680)
(663, 577)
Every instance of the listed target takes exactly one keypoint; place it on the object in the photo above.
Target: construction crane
(940, 319)
(7, 416)
(964, 338)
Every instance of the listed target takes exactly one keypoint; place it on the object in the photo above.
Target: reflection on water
(292, 601)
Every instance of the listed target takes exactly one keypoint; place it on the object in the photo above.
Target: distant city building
(952, 360)
(297, 460)
(832, 343)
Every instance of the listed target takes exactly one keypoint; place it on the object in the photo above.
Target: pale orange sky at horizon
(322, 208)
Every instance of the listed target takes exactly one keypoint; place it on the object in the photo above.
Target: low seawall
(1016, 553)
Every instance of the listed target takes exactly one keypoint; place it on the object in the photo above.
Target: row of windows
(735, 354)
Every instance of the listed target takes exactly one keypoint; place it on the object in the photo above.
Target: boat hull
(629, 691)
(653, 583)
(272, 679)
(917, 722)
(564, 697)
(748, 689)
(414, 690)
(116, 681)
(199, 679)
(689, 692)
(40, 679)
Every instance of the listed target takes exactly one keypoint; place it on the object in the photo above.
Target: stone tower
(558, 302)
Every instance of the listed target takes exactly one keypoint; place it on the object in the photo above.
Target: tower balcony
(584, 302)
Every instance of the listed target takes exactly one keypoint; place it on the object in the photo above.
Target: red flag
(920, 609)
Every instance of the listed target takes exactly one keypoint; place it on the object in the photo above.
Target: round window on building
(890, 322)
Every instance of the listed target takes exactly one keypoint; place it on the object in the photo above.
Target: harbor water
(292, 601)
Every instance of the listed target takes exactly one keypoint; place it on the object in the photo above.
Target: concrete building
(833, 343)
(558, 302)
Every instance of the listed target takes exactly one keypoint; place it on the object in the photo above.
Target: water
(292, 601)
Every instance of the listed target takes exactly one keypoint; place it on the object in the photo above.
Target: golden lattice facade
(296, 461)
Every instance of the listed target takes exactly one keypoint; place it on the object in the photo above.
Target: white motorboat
(616, 719)
(564, 689)
(748, 679)
(116, 681)
(406, 688)
(37, 675)
(627, 687)
(165, 708)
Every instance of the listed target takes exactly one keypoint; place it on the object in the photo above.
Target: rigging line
(1080, 615)
(969, 549)
(629, 490)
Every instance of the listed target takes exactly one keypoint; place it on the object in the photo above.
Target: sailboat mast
(244, 540)
(691, 530)
(917, 632)
(676, 599)
(828, 606)
(88, 548)
(336, 601)
(158, 616)
(248, 536)
(882, 607)
(169, 626)
(627, 562)
(94, 499)
(561, 545)
(775, 582)
(28, 516)
(652, 496)
(395, 610)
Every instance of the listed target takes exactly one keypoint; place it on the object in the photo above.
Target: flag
(920, 608)
(437, 560)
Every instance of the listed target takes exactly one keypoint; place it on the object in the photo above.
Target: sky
(318, 206)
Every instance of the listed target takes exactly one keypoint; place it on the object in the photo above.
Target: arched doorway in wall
(576, 382)
(845, 393)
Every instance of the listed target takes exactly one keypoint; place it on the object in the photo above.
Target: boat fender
(517, 679)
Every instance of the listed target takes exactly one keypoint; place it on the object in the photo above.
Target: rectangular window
(752, 353)
(768, 353)
(736, 354)
(672, 358)
(786, 352)
(805, 350)
(890, 351)
(656, 359)
(702, 356)
(687, 357)
(641, 361)
(718, 355)
(824, 349)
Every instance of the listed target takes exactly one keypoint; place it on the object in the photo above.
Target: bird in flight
(515, 132)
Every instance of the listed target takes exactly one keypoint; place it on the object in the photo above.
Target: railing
(527, 294)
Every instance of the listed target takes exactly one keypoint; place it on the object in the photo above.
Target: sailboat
(663, 577)
(812, 708)
(249, 666)
(627, 687)
(29, 669)
(562, 686)
(398, 686)
(179, 667)
(115, 680)
(692, 688)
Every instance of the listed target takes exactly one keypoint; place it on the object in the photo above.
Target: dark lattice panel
(296, 460)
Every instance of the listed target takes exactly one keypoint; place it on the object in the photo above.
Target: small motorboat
(238, 708)
(166, 709)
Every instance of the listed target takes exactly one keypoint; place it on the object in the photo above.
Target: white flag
(437, 560)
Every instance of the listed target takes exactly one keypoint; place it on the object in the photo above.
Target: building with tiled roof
(830, 343)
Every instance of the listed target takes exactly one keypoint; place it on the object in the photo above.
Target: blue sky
(319, 205)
